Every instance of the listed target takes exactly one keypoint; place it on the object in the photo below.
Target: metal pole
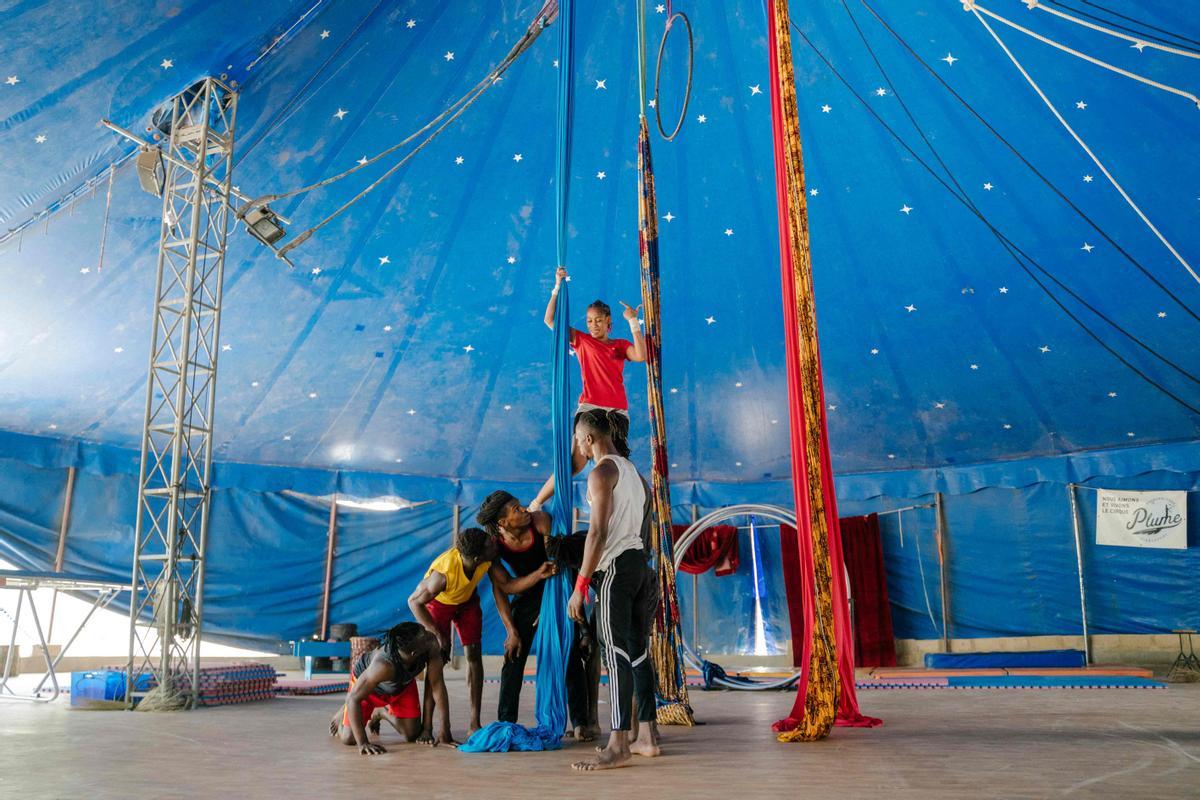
(1087, 649)
(61, 553)
(457, 520)
(331, 540)
(941, 551)
(695, 595)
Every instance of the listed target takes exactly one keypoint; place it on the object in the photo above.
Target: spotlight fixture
(264, 225)
(151, 172)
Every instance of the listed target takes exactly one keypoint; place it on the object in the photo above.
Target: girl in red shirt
(602, 363)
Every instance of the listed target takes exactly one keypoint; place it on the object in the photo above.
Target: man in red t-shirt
(602, 362)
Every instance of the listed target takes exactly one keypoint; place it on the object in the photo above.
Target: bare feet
(645, 748)
(335, 724)
(373, 726)
(583, 733)
(608, 758)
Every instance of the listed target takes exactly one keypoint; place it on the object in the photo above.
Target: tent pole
(331, 540)
(941, 550)
(695, 595)
(60, 554)
(457, 520)
(1087, 650)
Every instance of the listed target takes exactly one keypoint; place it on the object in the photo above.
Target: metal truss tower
(167, 608)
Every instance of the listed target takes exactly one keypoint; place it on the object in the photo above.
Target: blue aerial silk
(552, 641)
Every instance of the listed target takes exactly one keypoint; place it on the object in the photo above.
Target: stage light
(151, 172)
(264, 225)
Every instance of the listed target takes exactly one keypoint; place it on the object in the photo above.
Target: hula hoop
(773, 513)
(687, 95)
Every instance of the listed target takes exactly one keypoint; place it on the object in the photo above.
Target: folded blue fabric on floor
(505, 737)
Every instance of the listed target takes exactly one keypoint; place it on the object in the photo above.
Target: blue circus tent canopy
(405, 353)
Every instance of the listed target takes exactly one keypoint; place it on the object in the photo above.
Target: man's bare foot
(335, 724)
(583, 733)
(605, 759)
(373, 726)
(471, 730)
(649, 749)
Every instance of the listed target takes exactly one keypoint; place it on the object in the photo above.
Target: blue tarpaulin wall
(405, 354)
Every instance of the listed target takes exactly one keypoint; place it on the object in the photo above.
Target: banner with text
(1141, 519)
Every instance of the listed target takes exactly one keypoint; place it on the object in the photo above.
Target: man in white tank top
(613, 558)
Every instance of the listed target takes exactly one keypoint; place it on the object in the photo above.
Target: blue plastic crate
(98, 688)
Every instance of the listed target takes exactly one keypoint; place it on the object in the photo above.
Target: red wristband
(582, 584)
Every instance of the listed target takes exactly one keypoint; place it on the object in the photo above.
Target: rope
(1020, 156)
(687, 95)
(1008, 243)
(1034, 4)
(975, 8)
(1087, 149)
(924, 590)
(964, 198)
(449, 115)
(1126, 18)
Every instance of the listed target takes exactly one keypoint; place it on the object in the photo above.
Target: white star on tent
(508, 408)
(324, 34)
(1139, 46)
(906, 208)
(1088, 247)
(652, 103)
(1081, 105)
(601, 84)
(1044, 349)
(254, 384)
(814, 192)
(387, 328)
(312, 395)
(939, 405)
(825, 109)
(660, 9)
(987, 187)
(1007, 427)
(1130, 434)
(891, 455)
(874, 351)
(512, 259)
(832, 407)
(449, 56)
(668, 216)
(316, 270)
(40, 138)
(702, 119)
(556, 63)
(412, 23)
(710, 320)
(517, 156)
(1003, 290)
(974, 366)
(118, 349)
(756, 89)
(910, 308)
(738, 384)
(673, 466)
(340, 113)
(674, 391)
(226, 348)
(881, 92)
(534, 464)
(774, 422)
(384, 260)
(468, 348)
(411, 412)
(729, 231)
(12, 80)
(458, 160)
(1162, 314)
(84, 271)
(399, 460)
(601, 175)
(53, 426)
(362, 161)
(1112, 394)
(287, 438)
(950, 59)
(1088, 178)
(167, 63)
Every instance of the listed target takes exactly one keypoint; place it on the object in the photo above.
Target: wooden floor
(934, 744)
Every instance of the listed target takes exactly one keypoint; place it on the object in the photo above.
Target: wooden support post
(61, 553)
(323, 632)
(942, 570)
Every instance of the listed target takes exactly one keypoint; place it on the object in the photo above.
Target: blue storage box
(98, 688)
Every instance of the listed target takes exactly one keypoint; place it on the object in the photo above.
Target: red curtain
(789, 547)
(715, 548)
(874, 645)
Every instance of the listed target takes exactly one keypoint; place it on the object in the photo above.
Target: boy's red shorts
(467, 618)
(406, 705)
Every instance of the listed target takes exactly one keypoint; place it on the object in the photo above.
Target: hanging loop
(687, 94)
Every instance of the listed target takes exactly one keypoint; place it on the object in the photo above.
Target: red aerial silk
(847, 712)
(716, 548)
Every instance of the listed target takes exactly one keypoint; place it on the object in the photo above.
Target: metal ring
(687, 95)
(774, 513)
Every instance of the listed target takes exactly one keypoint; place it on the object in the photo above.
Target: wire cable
(1119, 15)
(1137, 40)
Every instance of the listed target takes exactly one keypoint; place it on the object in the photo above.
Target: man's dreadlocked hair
(606, 422)
(471, 542)
(492, 509)
(401, 637)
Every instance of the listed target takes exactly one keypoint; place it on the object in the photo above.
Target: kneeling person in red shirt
(383, 685)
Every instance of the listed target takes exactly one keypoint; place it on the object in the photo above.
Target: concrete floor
(934, 744)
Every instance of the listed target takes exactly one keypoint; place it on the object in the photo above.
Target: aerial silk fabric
(665, 637)
(552, 641)
(826, 686)
(874, 642)
(716, 548)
